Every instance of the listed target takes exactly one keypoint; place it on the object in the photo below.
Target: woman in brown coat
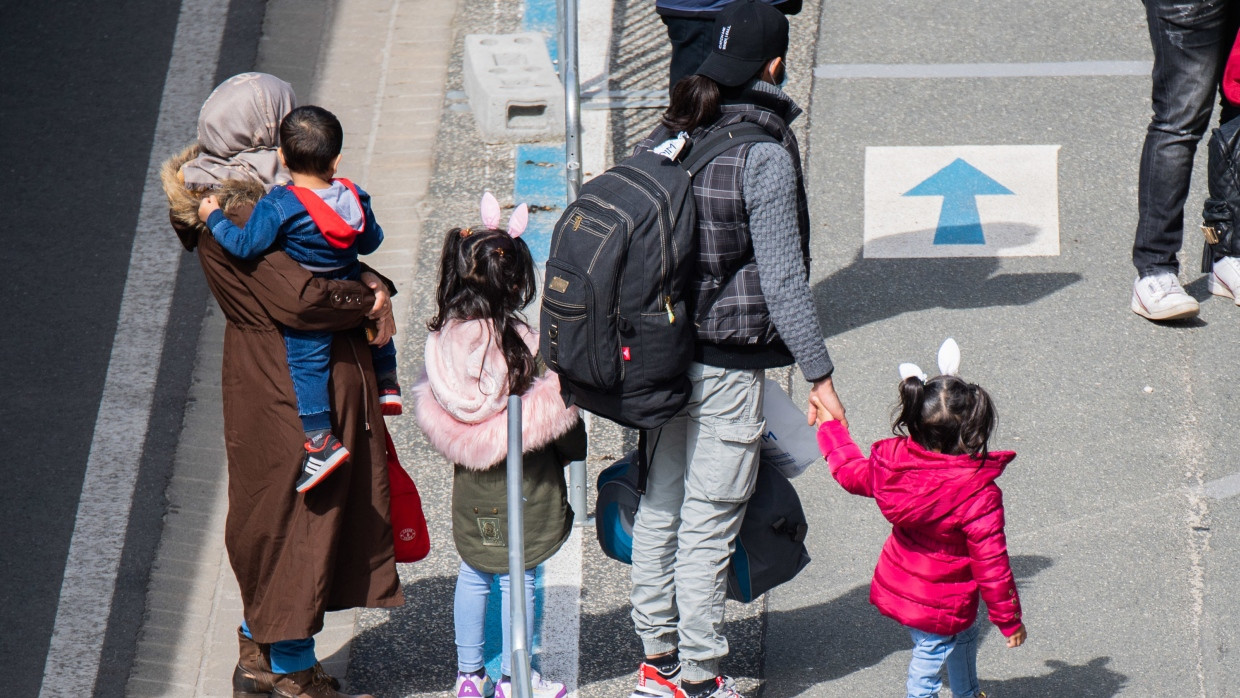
(295, 556)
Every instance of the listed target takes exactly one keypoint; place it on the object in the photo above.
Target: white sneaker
(1160, 297)
(474, 686)
(542, 688)
(1225, 279)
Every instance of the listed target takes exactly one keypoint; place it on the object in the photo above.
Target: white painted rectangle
(901, 219)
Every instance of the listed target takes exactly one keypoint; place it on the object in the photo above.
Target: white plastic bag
(789, 443)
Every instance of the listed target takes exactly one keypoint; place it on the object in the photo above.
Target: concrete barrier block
(513, 89)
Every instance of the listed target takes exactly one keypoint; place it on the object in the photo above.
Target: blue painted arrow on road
(959, 184)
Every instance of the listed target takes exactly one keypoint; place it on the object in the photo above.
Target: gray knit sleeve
(770, 199)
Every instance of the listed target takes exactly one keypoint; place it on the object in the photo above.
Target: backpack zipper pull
(667, 303)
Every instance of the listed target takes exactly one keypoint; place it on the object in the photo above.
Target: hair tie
(466, 232)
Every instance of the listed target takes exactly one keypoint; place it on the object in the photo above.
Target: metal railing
(516, 553)
(567, 15)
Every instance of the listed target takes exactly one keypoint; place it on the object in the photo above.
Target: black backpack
(615, 322)
(1221, 213)
(770, 548)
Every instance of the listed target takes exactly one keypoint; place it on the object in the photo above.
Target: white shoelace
(1163, 285)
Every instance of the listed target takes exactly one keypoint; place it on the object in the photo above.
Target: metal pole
(516, 553)
(573, 175)
(572, 99)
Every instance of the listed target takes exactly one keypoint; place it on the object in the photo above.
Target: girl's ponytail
(907, 418)
(977, 423)
(507, 267)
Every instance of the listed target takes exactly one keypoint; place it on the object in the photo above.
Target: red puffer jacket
(947, 540)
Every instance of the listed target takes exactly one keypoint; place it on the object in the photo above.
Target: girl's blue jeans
(931, 652)
(473, 588)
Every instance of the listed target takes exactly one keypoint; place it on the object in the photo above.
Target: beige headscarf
(239, 130)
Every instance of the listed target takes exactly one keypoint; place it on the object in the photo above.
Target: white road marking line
(121, 425)
(561, 617)
(923, 71)
(1223, 487)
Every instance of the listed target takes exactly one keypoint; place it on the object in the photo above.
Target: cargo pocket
(725, 461)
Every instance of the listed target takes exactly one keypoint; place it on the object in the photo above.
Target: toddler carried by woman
(478, 353)
(936, 485)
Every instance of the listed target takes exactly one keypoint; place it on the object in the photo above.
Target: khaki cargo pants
(702, 471)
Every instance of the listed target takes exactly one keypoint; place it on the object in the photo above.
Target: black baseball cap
(748, 34)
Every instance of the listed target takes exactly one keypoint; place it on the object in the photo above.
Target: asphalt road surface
(79, 97)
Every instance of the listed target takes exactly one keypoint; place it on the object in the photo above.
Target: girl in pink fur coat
(937, 488)
(479, 352)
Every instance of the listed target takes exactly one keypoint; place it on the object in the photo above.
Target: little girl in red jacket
(937, 488)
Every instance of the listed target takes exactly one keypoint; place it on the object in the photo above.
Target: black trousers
(691, 43)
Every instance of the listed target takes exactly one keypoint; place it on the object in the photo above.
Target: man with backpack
(753, 310)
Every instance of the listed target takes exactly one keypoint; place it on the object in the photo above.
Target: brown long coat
(297, 555)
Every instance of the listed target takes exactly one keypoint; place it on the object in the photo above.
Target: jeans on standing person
(703, 466)
(473, 589)
(931, 652)
(1191, 41)
(691, 44)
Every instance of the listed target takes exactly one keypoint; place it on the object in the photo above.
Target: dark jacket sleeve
(572, 445)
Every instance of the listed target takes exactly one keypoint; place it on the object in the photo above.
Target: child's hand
(1017, 638)
(208, 205)
(820, 411)
(824, 404)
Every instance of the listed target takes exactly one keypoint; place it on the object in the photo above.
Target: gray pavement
(1125, 568)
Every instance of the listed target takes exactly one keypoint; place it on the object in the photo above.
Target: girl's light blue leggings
(473, 588)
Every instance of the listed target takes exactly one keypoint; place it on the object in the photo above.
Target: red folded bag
(413, 541)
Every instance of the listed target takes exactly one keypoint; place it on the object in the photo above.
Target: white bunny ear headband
(516, 222)
(949, 363)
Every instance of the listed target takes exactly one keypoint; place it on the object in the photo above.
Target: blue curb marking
(959, 184)
(540, 183)
(540, 16)
(539, 179)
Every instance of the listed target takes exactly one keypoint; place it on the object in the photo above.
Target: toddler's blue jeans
(931, 652)
(308, 357)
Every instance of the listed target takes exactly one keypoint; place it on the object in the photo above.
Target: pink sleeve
(1231, 76)
(848, 466)
(989, 559)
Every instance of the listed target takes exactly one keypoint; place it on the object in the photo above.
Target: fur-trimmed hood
(460, 400)
(237, 197)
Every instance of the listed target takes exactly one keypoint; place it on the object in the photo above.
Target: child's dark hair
(488, 275)
(946, 414)
(311, 139)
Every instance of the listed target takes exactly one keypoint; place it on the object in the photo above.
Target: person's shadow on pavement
(871, 290)
(1089, 680)
(847, 634)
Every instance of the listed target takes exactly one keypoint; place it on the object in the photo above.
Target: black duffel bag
(770, 548)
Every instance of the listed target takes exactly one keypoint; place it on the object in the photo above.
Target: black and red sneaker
(652, 683)
(390, 401)
(324, 453)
